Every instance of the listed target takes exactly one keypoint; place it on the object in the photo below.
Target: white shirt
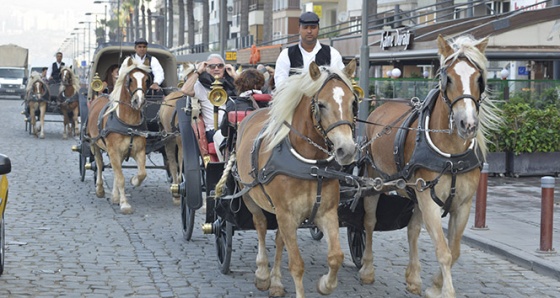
(282, 69)
(49, 70)
(207, 107)
(157, 70)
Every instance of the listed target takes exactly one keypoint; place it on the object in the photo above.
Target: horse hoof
(323, 288)
(435, 292)
(100, 193)
(414, 289)
(276, 292)
(126, 209)
(263, 284)
(176, 201)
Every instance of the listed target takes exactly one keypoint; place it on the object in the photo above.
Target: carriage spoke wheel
(2, 245)
(316, 234)
(187, 219)
(82, 158)
(223, 244)
(357, 244)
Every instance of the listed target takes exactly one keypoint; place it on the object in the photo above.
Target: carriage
(114, 53)
(419, 159)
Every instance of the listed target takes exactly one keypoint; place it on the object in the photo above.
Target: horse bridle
(35, 95)
(315, 111)
(127, 84)
(451, 103)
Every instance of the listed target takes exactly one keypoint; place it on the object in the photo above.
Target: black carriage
(227, 212)
(106, 55)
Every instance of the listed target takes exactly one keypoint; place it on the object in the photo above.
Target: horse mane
(288, 96)
(75, 81)
(123, 73)
(188, 68)
(35, 76)
(465, 46)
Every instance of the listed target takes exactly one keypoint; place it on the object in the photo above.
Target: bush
(528, 126)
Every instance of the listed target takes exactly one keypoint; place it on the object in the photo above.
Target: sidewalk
(513, 217)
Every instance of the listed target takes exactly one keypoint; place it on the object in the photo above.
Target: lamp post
(88, 40)
(104, 2)
(96, 25)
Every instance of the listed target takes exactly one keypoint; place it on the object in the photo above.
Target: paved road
(64, 241)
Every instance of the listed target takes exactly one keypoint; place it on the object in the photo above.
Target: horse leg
(66, 123)
(33, 119)
(276, 286)
(367, 272)
(76, 126)
(431, 215)
(412, 275)
(140, 158)
(328, 223)
(99, 190)
(262, 275)
(43, 111)
(287, 226)
(118, 196)
(173, 168)
(456, 227)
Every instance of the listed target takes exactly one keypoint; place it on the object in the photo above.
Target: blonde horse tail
(220, 185)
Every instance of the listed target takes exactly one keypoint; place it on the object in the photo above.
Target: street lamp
(89, 39)
(96, 26)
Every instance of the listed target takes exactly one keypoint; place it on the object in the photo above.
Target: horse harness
(426, 156)
(285, 160)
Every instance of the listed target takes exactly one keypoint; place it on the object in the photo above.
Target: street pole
(105, 30)
(364, 72)
(223, 23)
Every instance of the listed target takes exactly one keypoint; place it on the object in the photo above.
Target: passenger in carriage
(307, 50)
(199, 85)
(158, 76)
(111, 76)
(53, 72)
(44, 74)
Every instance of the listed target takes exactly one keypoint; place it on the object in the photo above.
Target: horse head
(137, 82)
(463, 82)
(36, 88)
(69, 85)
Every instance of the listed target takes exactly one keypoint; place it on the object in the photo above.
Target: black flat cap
(309, 18)
(141, 41)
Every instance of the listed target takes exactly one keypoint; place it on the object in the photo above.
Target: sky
(42, 26)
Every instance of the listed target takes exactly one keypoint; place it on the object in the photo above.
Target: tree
(267, 26)
(181, 33)
(190, 21)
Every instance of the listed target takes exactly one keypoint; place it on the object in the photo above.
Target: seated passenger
(111, 76)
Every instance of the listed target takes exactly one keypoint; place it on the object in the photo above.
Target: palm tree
(206, 25)
(190, 21)
(267, 26)
(170, 21)
(181, 33)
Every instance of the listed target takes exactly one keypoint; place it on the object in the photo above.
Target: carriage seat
(235, 117)
(262, 99)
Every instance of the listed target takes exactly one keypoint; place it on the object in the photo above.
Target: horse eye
(321, 105)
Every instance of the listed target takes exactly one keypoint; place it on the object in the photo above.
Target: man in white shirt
(141, 48)
(307, 50)
(53, 72)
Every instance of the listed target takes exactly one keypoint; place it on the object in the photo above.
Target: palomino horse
(68, 101)
(310, 123)
(117, 126)
(441, 158)
(169, 125)
(37, 98)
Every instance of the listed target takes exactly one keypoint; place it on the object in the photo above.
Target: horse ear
(481, 46)
(443, 47)
(147, 62)
(129, 62)
(314, 71)
(350, 68)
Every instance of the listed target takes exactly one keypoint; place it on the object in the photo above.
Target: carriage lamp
(75, 148)
(504, 74)
(396, 73)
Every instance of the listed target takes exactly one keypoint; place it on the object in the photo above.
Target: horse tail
(220, 185)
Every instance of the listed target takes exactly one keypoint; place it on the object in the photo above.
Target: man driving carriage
(53, 72)
(141, 49)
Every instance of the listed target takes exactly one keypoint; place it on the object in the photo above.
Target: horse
(168, 122)
(116, 125)
(441, 161)
(37, 99)
(311, 118)
(68, 102)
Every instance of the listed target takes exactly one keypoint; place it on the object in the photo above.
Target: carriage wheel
(82, 157)
(187, 219)
(223, 244)
(316, 234)
(2, 245)
(357, 244)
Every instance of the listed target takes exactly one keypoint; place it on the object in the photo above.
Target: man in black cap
(307, 50)
(141, 49)
(53, 72)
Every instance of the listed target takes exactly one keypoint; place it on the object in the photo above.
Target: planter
(496, 163)
(533, 164)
